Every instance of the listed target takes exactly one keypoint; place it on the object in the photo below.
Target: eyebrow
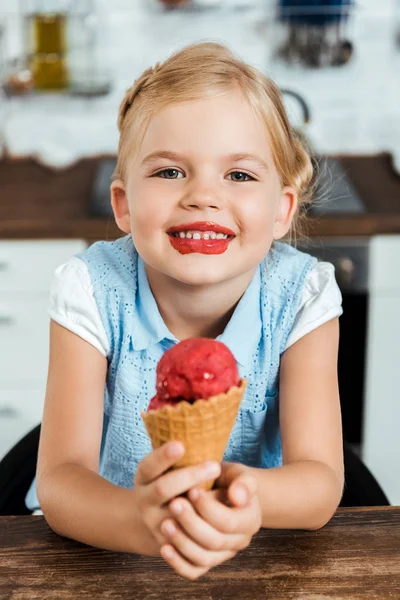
(153, 156)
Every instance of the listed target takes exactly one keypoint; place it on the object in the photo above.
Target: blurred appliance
(350, 257)
(316, 32)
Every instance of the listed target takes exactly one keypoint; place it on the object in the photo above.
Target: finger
(188, 549)
(182, 566)
(179, 481)
(158, 461)
(229, 472)
(242, 490)
(200, 531)
(223, 518)
(240, 483)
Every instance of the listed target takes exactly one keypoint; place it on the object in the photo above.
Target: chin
(200, 272)
(199, 279)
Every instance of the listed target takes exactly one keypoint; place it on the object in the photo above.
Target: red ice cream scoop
(192, 369)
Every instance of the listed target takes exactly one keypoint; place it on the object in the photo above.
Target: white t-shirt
(72, 303)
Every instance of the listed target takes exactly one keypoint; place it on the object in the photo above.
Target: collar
(149, 328)
(244, 328)
(240, 335)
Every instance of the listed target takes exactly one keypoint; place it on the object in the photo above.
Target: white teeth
(201, 235)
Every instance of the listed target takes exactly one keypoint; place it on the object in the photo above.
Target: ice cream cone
(203, 427)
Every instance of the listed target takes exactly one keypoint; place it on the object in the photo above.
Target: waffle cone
(203, 427)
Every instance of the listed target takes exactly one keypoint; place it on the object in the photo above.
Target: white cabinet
(23, 338)
(26, 271)
(381, 448)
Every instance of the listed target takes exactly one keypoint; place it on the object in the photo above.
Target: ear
(119, 203)
(286, 209)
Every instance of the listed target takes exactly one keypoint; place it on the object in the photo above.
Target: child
(209, 177)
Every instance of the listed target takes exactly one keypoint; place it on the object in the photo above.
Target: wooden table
(356, 556)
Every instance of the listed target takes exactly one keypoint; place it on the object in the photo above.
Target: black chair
(18, 467)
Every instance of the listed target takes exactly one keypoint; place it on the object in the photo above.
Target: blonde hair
(205, 70)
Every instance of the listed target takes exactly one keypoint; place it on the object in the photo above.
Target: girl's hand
(225, 521)
(156, 485)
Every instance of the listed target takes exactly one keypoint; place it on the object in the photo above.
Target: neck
(196, 311)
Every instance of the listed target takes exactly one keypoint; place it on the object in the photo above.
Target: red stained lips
(209, 244)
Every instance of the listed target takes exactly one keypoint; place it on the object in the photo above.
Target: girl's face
(202, 196)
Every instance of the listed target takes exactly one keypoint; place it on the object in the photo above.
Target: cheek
(257, 216)
(148, 214)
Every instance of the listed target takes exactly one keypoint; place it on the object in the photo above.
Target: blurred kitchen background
(64, 67)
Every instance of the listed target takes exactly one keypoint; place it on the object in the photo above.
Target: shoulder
(70, 276)
(321, 279)
(285, 269)
(321, 290)
(72, 303)
(320, 301)
(111, 264)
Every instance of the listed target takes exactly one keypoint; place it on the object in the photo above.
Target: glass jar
(45, 38)
(87, 36)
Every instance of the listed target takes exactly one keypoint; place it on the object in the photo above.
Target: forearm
(79, 504)
(301, 495)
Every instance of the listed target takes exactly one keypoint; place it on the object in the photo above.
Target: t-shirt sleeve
(320, 302)
(72, 304)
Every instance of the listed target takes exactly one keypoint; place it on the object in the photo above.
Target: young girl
(209, 176)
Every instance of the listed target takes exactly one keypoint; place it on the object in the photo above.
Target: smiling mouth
(204, 241)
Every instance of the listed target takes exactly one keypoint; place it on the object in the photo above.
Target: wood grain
(355, 557)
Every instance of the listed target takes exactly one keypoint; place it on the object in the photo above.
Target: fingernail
(212, 468)
(176, 508)
(240, 494)
(175, 449)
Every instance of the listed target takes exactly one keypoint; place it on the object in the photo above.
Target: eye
(168, 174)
(241, 176)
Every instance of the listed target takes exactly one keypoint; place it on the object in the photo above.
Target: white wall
(354, 108)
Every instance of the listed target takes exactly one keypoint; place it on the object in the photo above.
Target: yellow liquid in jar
(48, 65)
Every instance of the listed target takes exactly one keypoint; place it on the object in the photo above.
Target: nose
(201, 197)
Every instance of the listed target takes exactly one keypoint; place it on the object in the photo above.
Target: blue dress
(256, 335)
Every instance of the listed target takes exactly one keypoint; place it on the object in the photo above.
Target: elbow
(48, 504)
(325, 511)
(52, 517)
(321, 521)
(322, 515)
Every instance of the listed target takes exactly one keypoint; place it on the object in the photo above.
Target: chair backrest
(360, 486)
(17, 470)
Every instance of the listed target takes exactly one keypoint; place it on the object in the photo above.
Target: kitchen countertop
(38, 202)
